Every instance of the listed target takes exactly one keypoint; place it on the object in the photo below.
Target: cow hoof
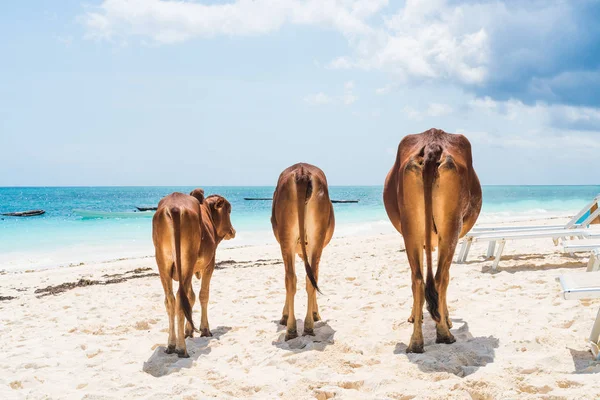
(182, 353)
(308, 332)
(415, 348)
(189, 334)
(205, 333)
(170, 349)
(411, 319)
(445, 339)
(283, 320)
(291, 335)
(316, 317)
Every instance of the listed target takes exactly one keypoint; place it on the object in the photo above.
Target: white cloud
(384, 90)
(486, 104)
(347, 98)
(448, 40)
(557, 128)
(433, 110)
(554, 115)
(318, 99)
(425, 40)
(340, 63)
(412, 113)
(176, 21)
(438, 109)
(65, 40)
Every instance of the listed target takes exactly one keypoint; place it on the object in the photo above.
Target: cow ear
(198, 194)
(220, 203)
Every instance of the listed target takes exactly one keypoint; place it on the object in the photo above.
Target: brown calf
(433, 197)
(303, 224)
(186, 231)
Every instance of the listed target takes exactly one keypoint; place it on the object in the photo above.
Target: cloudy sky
(156, 92)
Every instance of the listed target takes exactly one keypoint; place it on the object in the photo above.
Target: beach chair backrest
(580, 220)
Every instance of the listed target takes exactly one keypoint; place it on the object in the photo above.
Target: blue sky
(154, 92)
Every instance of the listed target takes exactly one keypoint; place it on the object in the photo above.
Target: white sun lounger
(584, 285)
(579, 246)
(503, 237)
(528, 232)
(571, 224)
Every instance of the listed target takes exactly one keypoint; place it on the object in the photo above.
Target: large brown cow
(186, 231)
(303, 223)
(433, 197)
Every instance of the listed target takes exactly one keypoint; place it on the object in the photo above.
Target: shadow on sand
(515, 257)
(323, 337)
(161, 364)
(461, 358)
(584, 362)
(529, 267)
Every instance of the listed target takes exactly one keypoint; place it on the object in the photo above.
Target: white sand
(516, 337)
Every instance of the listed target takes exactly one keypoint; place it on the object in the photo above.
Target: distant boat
(147, 208)
(30, 213)
(111, 214)
(333, 201)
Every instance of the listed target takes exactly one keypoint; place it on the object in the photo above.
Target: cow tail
(431, 159)
(304, 188)
(183, 283)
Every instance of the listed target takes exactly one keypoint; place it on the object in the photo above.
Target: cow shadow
(522, 257)
(323, 337)
(461, 358)
(161, 364)
(584, 362)
(529, 267)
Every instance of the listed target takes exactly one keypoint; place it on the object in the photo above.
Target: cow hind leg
(316, 241)
(188, 260)
(287, 251)
(415, 258)
(204, 295)
(413, 228)
(448, 219)
(284, 313)
(189, 332)
(312, 312)
(164, 269)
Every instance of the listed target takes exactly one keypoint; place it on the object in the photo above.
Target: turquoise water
(60, 237)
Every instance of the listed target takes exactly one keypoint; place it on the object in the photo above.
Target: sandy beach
(516, 336)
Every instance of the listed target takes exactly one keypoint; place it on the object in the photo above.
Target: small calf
(186, 231)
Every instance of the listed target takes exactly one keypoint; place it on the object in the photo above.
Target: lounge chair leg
(498, 255)
(594, 336)
(594, 263)
(467, 248)
(491, 248)
(591, 263)
(460, 253)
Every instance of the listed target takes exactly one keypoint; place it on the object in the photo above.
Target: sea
(61, 238)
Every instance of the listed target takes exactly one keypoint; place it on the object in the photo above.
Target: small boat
(147, 208)
(113, 214)
(30, 213)
(333, 201)
(258, 198)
